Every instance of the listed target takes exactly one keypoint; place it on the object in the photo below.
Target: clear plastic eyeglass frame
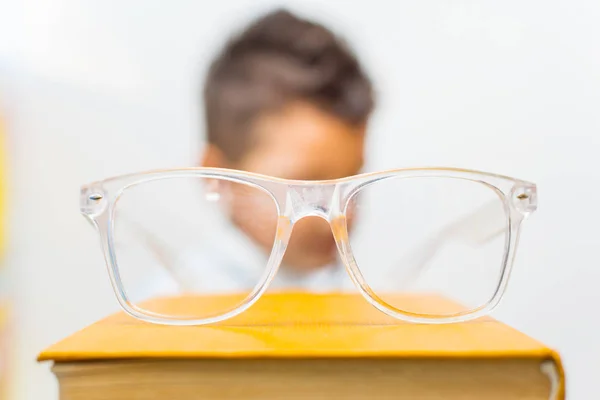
(295, 200)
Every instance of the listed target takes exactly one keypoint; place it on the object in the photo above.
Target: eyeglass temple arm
(476, 229)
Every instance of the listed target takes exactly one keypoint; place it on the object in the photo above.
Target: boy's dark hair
(277, 59)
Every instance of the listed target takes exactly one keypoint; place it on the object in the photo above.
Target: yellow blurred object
(324, 338)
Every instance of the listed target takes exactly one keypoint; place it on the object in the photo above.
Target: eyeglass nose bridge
(312, 200)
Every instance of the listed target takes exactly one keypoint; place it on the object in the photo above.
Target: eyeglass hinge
(524, 198)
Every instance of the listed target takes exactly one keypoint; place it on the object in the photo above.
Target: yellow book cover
(300, 326)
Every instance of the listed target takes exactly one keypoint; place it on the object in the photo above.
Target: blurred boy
(287, 98)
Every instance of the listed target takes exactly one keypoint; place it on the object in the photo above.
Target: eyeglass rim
(97, 202)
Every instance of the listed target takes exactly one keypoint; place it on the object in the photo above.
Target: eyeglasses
(201, 245)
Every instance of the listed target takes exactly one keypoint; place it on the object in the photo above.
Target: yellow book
(301, 345)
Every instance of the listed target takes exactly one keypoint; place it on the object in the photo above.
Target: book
(305, 345)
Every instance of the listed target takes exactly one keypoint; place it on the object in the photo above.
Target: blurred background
(94, 89)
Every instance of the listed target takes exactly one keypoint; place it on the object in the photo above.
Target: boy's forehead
(303, 138)
(305, 125)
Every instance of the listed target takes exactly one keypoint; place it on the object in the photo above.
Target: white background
(92, 89)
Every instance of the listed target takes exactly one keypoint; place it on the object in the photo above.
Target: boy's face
(298, 142)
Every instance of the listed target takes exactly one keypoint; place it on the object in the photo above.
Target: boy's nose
(313, 234)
